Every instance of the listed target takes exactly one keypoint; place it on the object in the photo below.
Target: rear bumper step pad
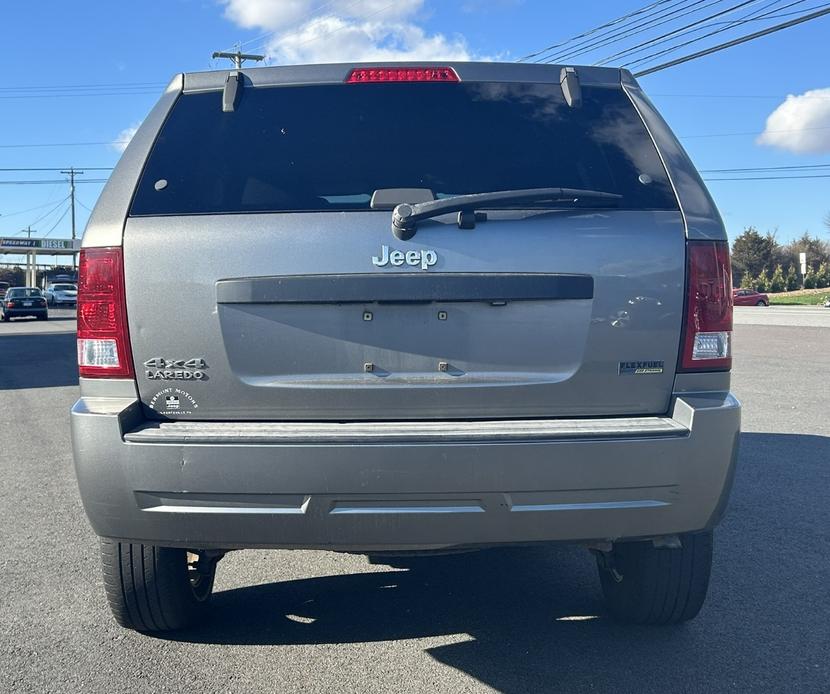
(363, 433)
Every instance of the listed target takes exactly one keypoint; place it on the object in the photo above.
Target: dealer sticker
(173, 401)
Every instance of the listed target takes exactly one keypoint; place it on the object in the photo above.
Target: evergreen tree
(791, 279)
(777, 282)
(752, 253)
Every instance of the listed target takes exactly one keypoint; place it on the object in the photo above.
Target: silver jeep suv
(395, 308)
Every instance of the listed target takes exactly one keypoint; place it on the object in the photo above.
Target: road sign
(45, 246)
(802, 258)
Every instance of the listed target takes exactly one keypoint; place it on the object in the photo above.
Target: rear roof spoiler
(286, 75)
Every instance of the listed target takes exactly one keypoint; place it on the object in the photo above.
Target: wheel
(43, 317)
(645, 584)
(4, 318)
(761, 303)
(153, 589)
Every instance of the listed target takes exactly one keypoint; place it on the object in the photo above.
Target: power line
(735, 96)
(58, 168)
(768, 178)
(82, 204)
(665, 37)
(633, 30)
(54, 226)
(752, 16)
(64, 144)
(49, 213)
(767, 168)
(98, 85)
(734, 42)
(44, 181)
(592, 31)
(77, 95)
(238, 57)
(30, 209)
(752, 132)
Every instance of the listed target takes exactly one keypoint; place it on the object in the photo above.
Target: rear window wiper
(406, 216)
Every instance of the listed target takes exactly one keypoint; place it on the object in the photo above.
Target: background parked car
(749, 297)
(60, 294)
(23, 301)
(4, 286)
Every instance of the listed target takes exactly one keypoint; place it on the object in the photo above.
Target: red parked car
(749, 297)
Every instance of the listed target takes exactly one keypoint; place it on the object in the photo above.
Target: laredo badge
(639, 368)
(160, 369)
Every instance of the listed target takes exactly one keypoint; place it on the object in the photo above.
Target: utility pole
(238, 58)
(31, 261)
(72, 173)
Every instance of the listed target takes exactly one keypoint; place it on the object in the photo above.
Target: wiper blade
(406, 216)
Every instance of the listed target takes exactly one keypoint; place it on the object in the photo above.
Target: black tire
(4, 318)
(649, 585)
(153, 589)
(761, 303)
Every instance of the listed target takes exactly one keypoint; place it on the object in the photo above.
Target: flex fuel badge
(639, 368)
(173, 401)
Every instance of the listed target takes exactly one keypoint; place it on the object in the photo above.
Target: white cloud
(306, 31)
(120, 143)
(278, 14)
(801, 124)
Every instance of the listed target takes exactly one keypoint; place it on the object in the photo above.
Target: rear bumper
(25, 312)
(401, 486)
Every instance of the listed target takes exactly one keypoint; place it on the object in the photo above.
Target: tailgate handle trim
(404, 288)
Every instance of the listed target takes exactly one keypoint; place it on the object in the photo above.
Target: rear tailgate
(261, 286)
(274, 358)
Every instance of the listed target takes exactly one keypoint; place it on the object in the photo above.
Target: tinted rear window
(330, 147)
(23, 293)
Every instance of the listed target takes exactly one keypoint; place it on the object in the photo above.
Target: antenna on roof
(238, 58)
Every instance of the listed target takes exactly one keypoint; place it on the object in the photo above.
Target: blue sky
(717, 105)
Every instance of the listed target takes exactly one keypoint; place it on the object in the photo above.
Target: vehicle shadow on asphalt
(531, 619)
(38, 360)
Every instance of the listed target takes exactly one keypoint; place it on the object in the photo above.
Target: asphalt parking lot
(520, 620)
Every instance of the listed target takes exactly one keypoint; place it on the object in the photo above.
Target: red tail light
(707, 329)
(10, 304)
(103, 339)
(363, 75)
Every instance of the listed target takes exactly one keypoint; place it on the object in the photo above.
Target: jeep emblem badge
(424, 259)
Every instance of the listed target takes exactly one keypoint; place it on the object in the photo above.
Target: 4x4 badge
(160, 369)
(424, 258)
